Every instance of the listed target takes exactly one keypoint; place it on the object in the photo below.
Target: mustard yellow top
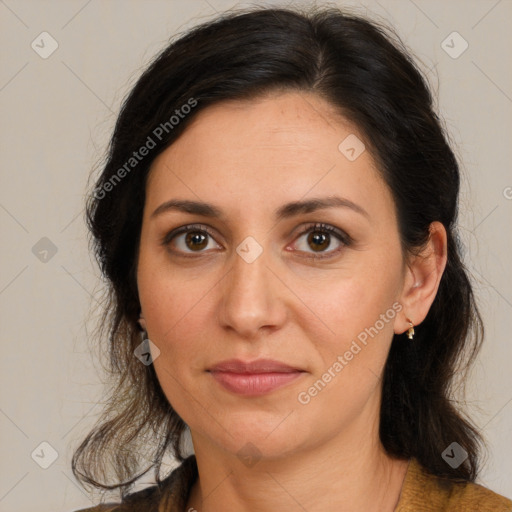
(421, 492)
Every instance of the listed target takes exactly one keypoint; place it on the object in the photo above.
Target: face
(254, 275)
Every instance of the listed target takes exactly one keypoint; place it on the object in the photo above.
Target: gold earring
(410, 331)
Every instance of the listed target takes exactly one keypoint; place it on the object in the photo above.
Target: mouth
(254, 378)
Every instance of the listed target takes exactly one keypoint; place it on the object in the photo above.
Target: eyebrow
(286, 211)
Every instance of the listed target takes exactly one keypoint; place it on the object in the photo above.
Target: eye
(196, 238)
(321, 237)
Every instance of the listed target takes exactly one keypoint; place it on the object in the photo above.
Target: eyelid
(321, 226)
(168, 237)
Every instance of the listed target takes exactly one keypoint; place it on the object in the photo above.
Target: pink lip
(254, 378)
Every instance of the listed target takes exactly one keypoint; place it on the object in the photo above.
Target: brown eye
(319, 241)
(195, 240)
(323, 239)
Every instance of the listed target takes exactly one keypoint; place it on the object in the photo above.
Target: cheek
(350, 304)
(359, 311)
(176, 311)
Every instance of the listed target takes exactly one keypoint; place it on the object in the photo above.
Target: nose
(251, 298)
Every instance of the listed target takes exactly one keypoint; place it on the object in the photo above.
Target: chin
(259, 435)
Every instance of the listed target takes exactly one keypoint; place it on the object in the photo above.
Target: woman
(277, 224)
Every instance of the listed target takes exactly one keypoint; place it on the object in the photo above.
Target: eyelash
(345, 239)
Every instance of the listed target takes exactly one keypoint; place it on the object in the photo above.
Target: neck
(349, 474)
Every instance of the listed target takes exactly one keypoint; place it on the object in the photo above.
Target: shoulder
(170, 494)
(429, 493)
(471, 496)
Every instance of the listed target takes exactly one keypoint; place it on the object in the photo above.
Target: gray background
(57, 115)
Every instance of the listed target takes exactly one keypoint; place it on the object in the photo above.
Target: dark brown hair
(364, 71)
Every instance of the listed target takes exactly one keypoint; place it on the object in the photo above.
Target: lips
(254, 378)
(258, 366)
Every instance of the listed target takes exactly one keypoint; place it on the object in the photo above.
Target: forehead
(271, 149)
(290, 122)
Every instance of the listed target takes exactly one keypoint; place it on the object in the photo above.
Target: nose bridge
(249, 298)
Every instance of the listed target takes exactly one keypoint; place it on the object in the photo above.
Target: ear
(422, 277)
(142, 322)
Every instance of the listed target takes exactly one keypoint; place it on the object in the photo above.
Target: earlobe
(142, 322)
(424, 274)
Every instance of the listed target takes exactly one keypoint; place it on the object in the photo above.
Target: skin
(248, 159)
